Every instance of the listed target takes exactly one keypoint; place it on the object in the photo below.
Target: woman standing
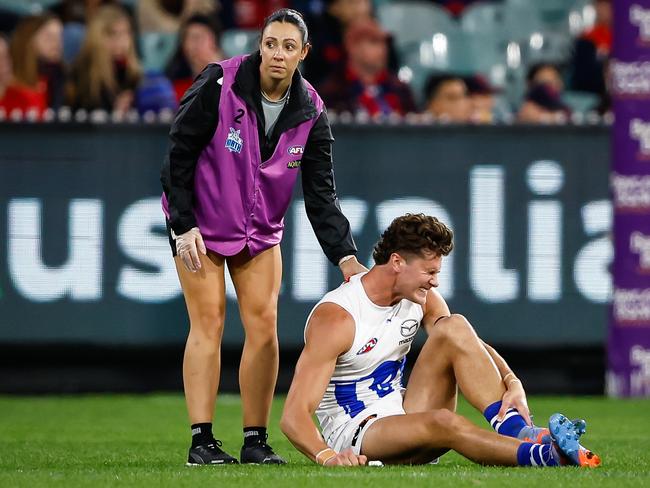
(243, 131)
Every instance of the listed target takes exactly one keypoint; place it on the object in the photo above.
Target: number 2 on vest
(240, 114)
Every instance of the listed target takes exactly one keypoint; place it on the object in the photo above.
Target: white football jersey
(372, 368)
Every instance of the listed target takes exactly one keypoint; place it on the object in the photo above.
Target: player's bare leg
(453, 355)
(204, 293)
(417, 438)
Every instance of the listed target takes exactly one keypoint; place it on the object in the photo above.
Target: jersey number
(240, 114)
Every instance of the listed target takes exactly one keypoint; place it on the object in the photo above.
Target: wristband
(345, 258)
(325, 451)
(506, 376)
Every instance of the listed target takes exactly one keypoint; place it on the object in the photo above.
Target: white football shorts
(351, 433)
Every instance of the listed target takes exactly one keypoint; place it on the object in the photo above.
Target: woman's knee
(260, 319)
(207, 323)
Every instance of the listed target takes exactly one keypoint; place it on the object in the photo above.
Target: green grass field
(116, 440)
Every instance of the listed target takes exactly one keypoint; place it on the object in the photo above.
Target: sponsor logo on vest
(409, 327)
(294, 150)
(406, 341)
(294, 164)
(369, 346)
(234, 143)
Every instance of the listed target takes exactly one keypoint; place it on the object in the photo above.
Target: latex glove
(188, 246)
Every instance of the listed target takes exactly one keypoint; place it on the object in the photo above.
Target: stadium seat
(520, 23)
(580, 101)
(411, 21)
(235, 42)
(459, 53)
(482, 17)
(157, 48)
(25, 7)
(548, 46)
(581, 17)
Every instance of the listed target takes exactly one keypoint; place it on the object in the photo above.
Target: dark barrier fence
(85, 259)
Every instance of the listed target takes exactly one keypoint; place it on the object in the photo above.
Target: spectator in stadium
(168, 15)
(107, 71)
(16, 100)
(543, 101)
(455, 7)
(447, 98)
(250, 14)
(350, 372)
(243, 131)
(37, 57)
(197, 47)
(481, 99)
(366, 84)
(591, 53)
(75, 15)
(328, 55)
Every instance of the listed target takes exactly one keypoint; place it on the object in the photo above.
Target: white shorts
(351, 433)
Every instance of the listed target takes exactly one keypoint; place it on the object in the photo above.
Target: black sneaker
(260, 453)
(209, 454)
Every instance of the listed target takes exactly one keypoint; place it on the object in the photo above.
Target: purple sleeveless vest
(240, 200)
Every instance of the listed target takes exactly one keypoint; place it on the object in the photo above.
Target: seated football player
(350, 372)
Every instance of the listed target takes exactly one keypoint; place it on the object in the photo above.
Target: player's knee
(439, 420)
(457, 331)
(445, 423)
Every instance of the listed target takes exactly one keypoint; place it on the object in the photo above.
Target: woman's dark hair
(292, 17)
(536, 68)
(414, 234)
(178, 67)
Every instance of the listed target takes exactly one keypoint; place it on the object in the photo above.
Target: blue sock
(511, 424)
(541, 455)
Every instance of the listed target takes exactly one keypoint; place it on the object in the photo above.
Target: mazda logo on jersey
(409, 327)
(369, 346)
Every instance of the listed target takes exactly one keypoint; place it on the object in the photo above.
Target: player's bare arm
(330, 333)
(435, 309)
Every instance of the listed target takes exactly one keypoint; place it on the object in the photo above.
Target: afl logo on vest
(369, 346)
(295, 150)
(234, 143)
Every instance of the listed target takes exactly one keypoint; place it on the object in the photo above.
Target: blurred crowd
(381, 58)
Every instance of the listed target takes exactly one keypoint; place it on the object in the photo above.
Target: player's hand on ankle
(188, 246)
(347, 457)
(515, 397)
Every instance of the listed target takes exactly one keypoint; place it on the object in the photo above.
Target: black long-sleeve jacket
(195, 125)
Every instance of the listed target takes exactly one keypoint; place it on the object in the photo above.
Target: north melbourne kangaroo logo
(640, 17)
(640, 131)
(234, 143)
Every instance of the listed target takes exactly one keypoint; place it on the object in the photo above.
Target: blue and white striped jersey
(372, 368)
